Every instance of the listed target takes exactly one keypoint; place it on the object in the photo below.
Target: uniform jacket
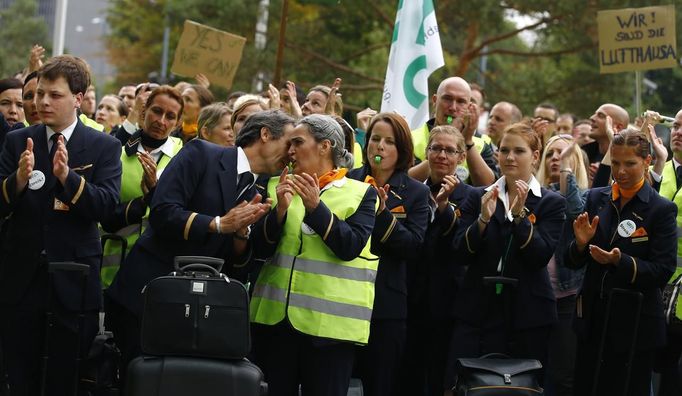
(442, 270)
(397, 239)
(198, 184)
(37, 231)
(525, 248)
(648, 259)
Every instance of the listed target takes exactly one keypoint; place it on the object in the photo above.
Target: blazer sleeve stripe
(79, 192)
(530, 236)
(634, 270)
(188, 225)
(4, 191)
(390, 230)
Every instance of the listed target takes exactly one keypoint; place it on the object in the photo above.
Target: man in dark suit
(199, 209)
(58, 179)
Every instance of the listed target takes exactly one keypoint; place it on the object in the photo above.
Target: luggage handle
(500, 280)
(182, 262)
(68, 266)
(198, 267)
(495, 355)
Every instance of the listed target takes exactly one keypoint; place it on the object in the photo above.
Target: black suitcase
(496, 373)
(196, 311)
(182, 376)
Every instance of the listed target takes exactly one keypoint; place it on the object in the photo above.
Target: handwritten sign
(637, 39)
(203, 49)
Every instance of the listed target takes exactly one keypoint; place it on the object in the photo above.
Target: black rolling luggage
(495, 373)
(183, 376)
(196, 311)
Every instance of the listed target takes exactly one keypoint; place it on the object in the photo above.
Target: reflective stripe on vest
(131, 177)
(669, 190)
(305, 281)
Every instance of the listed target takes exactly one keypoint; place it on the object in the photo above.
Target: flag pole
(280, 45)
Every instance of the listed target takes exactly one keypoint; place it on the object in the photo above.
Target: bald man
(452, 101)
(502, 115)
(596, 150)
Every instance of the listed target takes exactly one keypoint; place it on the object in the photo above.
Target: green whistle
(377, 159)
(498, 288)
(449, 120)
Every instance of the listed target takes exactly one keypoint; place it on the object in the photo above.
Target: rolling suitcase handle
(182, 262)
(84, 270)
(117, 238)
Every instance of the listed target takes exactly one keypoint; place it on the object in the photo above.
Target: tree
(20, 29)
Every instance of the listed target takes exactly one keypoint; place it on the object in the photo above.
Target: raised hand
(149, 170)
(26, 164)
(489, 203)
(273, 94)
(293, 101)
(35, 60)
(584, 230)
(382, 193)
(520, 200)
(60, 162)
(285, 193)
(609, 128)
(565, 156)
(364, 117)
(448, 185)
(308, 189)
(202, 80)
(603, 257)
(330, 107)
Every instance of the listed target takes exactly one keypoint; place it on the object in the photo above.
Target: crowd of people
(376, 252)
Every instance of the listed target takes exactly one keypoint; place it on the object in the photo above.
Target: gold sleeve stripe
(265, 230)
(466, 237)
(79, 192)
(634, 270)
(188, 225)
(390, 230)
(128, 207)
(530, 235)
(452, 224)
(4, 190)
(329, 227)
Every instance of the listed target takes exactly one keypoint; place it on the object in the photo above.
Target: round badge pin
(462, 173)
(626, 228)
(37, 180)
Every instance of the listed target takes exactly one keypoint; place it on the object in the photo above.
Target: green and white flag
(415, 54)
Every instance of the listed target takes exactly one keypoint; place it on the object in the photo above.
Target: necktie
(53, 149)
(245, 181)
(678, 174)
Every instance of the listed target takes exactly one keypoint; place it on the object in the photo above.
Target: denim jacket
(569, 279)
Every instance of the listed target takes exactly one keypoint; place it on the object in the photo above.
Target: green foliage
(351, 38)
(20, 29)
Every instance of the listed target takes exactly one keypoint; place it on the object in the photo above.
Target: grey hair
(211, 115)
(324, 127)
(274, 120)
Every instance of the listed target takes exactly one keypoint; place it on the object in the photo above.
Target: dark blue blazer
(397, 239)
(198, 184)
(441, 268)
(91, 192)
(533, 241)
(647, 262)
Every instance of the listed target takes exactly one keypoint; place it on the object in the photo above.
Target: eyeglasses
(550, 120)
(447, 150)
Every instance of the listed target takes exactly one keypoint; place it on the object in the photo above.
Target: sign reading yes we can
(212, 52)
(637, 39)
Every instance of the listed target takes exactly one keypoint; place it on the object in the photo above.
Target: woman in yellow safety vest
(313, 299)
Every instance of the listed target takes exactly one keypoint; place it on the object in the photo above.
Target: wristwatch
(518, 217)
(469, 146)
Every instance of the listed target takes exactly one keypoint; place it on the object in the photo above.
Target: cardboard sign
(637, 39)
(212, 52)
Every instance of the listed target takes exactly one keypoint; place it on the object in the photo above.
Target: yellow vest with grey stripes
(322, 295)
(130, 189)
(420, 139)
(669, 190)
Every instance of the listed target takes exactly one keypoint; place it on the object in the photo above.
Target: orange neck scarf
(370, 180)
(330, 176)
(617, 191)
(189, 130)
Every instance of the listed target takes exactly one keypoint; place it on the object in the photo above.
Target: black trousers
(22, 335)
(470, 342)
(126, 328)
(562, 347)
(377, 363)
(289, 358)
(668, 363)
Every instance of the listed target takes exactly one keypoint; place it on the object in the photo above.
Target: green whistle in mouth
(449, 120)
(498, 288)
(377, 159)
